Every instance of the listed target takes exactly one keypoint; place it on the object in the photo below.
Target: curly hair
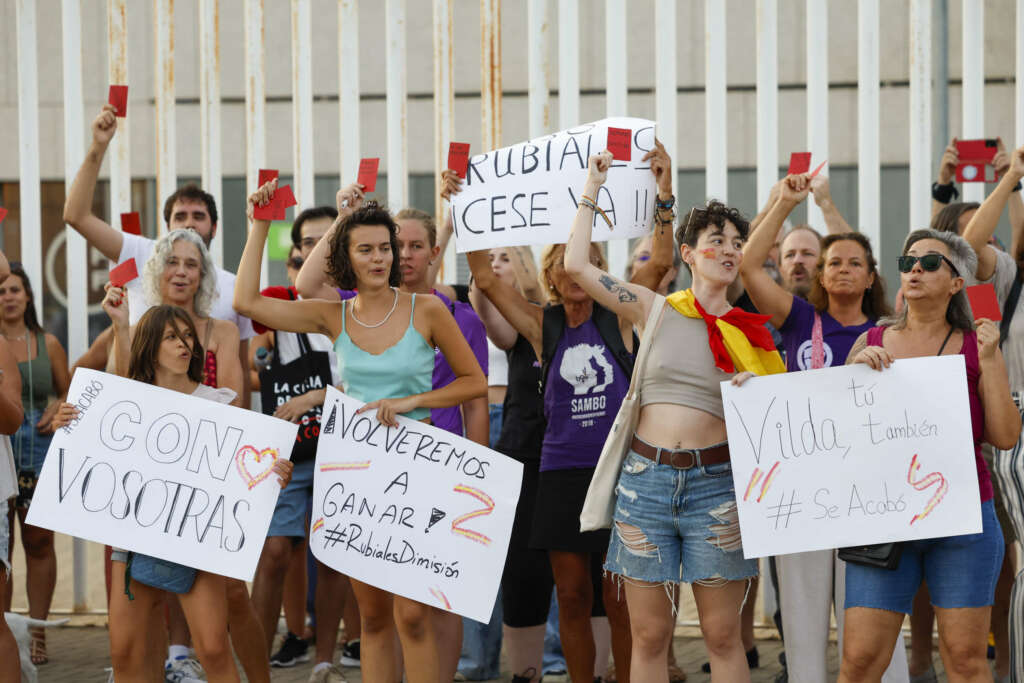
(874, 303)
(149, 335)
(713, 213)
(153, 271)
(554, 255)
(339, 263)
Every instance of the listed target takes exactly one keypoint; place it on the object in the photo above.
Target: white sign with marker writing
(163, 473)
(529, 193)
(413, 509)
(851, 456)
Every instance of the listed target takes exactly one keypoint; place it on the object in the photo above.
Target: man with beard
(798, 264)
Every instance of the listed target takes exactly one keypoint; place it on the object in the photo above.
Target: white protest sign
(528, 193)
(163, 473)
(414, 510)
(850, 456)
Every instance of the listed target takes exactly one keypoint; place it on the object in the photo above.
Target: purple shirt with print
(585, 387)
(796, 337)
(450, 419)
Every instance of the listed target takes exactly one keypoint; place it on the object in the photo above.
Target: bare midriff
(668, 425)
(496, 395)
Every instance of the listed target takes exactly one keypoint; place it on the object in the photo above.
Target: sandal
(37, 648)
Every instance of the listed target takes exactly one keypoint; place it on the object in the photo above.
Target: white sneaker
(184, 670)
(328, 674)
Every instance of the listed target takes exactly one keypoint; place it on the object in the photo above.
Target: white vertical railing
(444, 119)
(767, 99)
(716, 120)
(209, 112)
(973, 92)
(568, 63)
(255, 104)
(490, 73)
(119, 150)
(76, 285)
(817, 95)
(398, 173)
(1019, 78)
(163, 84)
(348, 89)
(302, 103)
(616, 100)
(30, 218)
(537, 63)
(920, 113)
(869, 179)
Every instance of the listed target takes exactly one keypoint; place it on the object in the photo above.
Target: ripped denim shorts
(673, 525)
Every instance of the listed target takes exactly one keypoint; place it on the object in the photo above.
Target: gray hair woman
(164, 282)
(960, 571)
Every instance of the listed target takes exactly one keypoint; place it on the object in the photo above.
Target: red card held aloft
(799, 162)
(130, 223)
(368, 174)
(118, 97)
(984, 303)
(124, 273)
(816, 171)
(620, 143)
(266, 175)
(283, 198)
(458, 157)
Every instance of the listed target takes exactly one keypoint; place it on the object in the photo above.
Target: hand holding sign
(118, 99)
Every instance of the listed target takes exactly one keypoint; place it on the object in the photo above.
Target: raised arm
(526, 272)
(773, 196)
(947, 169)
(310, 315)
(78, 205)
(834, 220)
(312, 281)
(499, 330)
(629, 302)
(1002, 419)
(769, 297)
(983, 224)
(663, 244)
(115, 303)
(1015, 204)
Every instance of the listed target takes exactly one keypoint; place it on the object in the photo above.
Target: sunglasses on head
(929, 262)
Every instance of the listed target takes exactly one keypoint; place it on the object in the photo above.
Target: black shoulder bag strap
(551, 332)
(607, 324)
(1010, 307)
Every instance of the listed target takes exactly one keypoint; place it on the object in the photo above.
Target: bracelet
(591, 204)
(667, 204)
(1017, 187)
(943, 194)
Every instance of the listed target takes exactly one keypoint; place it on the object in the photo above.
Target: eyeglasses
(295, 262)
(929, 262)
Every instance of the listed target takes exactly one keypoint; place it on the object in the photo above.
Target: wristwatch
(944, 193)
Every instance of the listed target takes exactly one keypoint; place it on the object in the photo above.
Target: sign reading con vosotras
(413, 509)
(163, 473)
(848, 456)
(529, 193)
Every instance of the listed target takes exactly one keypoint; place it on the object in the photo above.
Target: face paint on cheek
(708, 253)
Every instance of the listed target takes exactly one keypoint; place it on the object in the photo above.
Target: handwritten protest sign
(414, 510)
(528, 193)
(163, 473)
(850, 456)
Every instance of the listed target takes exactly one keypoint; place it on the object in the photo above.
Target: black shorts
(556, 520)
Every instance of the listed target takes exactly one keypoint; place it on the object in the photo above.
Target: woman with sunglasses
(847, 296)
(960, 571)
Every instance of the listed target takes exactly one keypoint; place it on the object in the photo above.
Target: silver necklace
(393, 307)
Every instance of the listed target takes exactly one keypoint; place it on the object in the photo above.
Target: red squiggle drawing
(441, 597)
(457, 522)
(755, 477)
(768, 478)
(317, 525)
(922, 484)
(337, 466)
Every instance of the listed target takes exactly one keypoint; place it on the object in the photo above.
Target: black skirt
(556, 519)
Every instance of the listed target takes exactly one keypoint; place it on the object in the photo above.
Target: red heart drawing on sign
(247, 453)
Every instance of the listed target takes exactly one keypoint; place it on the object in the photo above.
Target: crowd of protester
(365, 312)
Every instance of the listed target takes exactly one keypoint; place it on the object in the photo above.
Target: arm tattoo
(612, 285)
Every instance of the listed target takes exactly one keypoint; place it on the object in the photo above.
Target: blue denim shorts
(673, 525)
(961, 571)
(290, 512)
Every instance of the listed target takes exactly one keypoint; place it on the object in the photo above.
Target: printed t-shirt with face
(450, 419)
(140, 249)
(585, 387)
(796, 337)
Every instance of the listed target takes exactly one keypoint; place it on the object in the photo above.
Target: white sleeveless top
(497, 366)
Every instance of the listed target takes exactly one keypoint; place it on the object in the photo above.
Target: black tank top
(522, 429)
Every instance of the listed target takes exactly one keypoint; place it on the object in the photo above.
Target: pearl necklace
(386, 318)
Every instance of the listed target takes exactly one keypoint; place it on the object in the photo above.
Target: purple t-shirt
(585, 387)
(450, 419)
(796, 337)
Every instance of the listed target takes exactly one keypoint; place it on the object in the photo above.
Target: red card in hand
(130, 223)
(270, 211)
(799, 162)
(816, 171)
(119, 98)
(3, 214)
(984, 303)
(283, 198)
(368, 174)
(266, 175)
(620, 143)
(124, 273)
(458, 157)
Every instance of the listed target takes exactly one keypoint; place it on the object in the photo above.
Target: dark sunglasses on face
(929, 262)
(295, 262)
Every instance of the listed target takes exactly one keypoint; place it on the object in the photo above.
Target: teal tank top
(37, 377)
(403, 369)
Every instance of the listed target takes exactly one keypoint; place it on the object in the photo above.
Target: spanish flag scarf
(739, 340)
